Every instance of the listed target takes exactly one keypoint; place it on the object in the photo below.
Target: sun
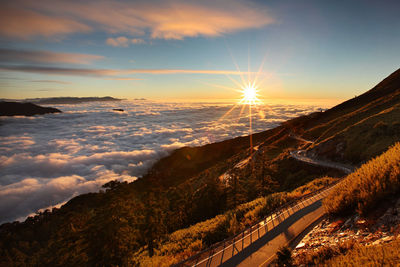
(249, 95)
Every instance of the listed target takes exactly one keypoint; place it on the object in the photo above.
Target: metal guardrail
(222, 251)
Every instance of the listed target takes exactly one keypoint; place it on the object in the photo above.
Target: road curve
(262, 240)
(258, 245)
(300, 155)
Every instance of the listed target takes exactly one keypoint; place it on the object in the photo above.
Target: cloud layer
(108, 72)
(46, 160)
(122, 41)
(168, 19)
(32, 56)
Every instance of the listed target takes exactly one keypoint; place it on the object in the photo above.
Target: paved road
(292, 224)
(254, 247)
(286, 232)
(300, 155)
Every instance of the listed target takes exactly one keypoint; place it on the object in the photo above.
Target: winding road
(301, 155)
(257, 246)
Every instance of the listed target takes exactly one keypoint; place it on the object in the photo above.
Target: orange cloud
(169, 19)
(119, 41)
(122, 41)
(138, 41)
(49, 81)
(183, 71)
(35, 56)
(60, 71)
(124, 79)
(21, 23)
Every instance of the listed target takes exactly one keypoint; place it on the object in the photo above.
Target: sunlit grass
(366, 187)
(349, 253)
(378, 255)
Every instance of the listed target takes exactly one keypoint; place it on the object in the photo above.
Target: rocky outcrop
(333, 233)
(24, 109)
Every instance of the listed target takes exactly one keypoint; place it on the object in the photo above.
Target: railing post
(208, 263)
(272, 220)
(251, 234)
(242, 239)
(222, 256)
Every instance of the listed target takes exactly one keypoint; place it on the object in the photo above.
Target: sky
(197, 50)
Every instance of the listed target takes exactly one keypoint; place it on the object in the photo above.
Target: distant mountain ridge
(24, 109)
(71, 100)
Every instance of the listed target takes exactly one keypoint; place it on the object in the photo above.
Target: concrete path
(261, 242)
(263, 253)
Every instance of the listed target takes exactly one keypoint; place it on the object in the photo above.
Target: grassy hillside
(364, 189)
(370, 121)
(378, 255)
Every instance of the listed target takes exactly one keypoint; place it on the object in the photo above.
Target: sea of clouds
(46, 160)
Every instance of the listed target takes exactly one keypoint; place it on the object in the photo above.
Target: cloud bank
(122, 41)
(46, 160)
(109, 72)
(32, 56)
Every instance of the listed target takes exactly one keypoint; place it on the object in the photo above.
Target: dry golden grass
(320, 256)
(378, 255)
(362, 190)
(352, 254)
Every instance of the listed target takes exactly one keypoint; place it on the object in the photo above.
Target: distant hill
(24, 109)
(71, 100)
(127, 223)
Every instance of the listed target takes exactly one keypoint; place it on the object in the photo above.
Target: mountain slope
(191, 185)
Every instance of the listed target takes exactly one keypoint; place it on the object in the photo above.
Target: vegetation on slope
(366, 187)
(352, 254)
(377, 255)
(364, 138)
(370, 122)
(183, 243)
